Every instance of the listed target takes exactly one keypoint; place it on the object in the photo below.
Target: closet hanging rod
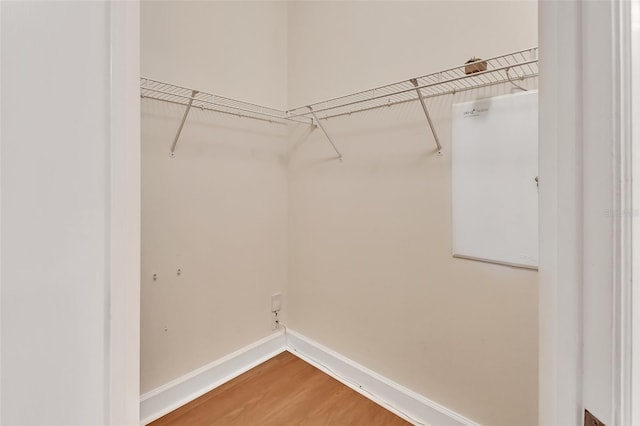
(166, 92)
(404, 101)
(191, 99)
(476, 75)
(235, 114)
(526, 60)
(151, 84)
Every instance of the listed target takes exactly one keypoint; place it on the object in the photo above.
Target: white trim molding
(634, 50)
(160, 401)
(122, 331)
(560, 213)
(407, 404)
(587, 211)
(404, 402)
(623, 98)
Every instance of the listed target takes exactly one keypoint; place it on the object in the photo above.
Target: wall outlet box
(276, 302)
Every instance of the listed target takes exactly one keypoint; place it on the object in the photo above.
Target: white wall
(336, 48)
(218, 210)
(231, 48)
(372, 275)
(55, 139)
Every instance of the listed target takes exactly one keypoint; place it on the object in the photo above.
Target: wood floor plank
(281, 391)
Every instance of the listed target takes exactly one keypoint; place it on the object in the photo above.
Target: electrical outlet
(276, 302)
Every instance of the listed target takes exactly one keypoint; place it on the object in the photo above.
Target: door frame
(123, 252)
(587, 212)
(626, 321)
(633, 30)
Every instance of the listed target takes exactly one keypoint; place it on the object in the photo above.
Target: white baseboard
(160, 401)
(407, 404)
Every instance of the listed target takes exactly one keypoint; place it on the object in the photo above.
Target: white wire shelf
(171, 93)
(513, 67)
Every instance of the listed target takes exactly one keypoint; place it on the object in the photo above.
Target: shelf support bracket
(184, 118)
(313, 113)
(426, 112)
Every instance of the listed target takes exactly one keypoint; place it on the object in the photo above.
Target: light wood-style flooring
(282, 391)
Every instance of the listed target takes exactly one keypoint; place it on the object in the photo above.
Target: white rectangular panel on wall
(494, 168)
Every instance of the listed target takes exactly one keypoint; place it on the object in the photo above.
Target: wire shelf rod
(453, 69)
(523, 64)
(191, 99)
(187, 90)
(390, 104)
(422, 86)
(284, 122)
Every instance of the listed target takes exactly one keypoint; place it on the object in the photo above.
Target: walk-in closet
(240, 213)
(304, 150)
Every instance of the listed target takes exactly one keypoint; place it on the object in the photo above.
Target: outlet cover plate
(276, 302)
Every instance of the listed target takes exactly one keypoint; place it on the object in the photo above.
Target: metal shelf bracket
(426, 112)
(325, 132)
(184, 118)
